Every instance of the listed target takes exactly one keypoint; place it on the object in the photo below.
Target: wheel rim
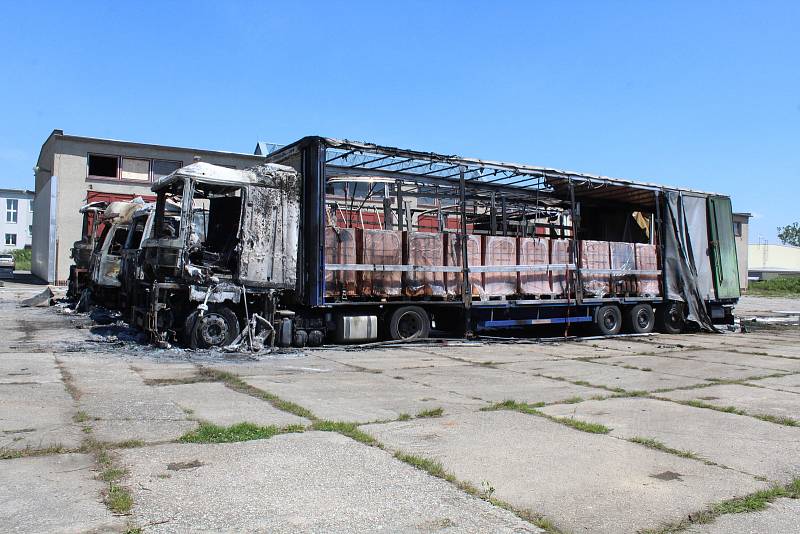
(409, 325)
(609, 321)
(643, 319)
(674, 316)
(213, 330)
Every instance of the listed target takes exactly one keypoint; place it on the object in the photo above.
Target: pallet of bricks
(608, 266)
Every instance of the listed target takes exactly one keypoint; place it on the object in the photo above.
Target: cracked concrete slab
(697, 368)
(361, 397)
(781, 516)
(497, 384)
(53, 494)
(789, 383)
(218, 404)
(740, 442)
(753, 400)
(310, 482)
(764, 365)
(605, 375)
(583, 482)
(386, 360)
(37, 416)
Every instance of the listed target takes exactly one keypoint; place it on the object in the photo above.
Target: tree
(790, 235)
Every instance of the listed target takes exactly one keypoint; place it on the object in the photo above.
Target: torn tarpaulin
(680, 274)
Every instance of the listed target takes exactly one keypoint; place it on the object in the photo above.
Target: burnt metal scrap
(357, 242)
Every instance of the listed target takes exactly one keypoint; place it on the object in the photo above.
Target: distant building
(16, 225)
(741, 232)
(771, 261)
(73, 170)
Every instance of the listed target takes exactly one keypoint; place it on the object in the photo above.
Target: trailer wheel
(218, 327)
(640, 319)
(608, 320)
(409, 322)
(670, 318)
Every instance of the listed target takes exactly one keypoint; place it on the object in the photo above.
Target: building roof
(214, 174)
(62, 135)
(26, 192)
(263, 148)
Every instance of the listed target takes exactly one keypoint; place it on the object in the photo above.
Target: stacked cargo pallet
(609, 268)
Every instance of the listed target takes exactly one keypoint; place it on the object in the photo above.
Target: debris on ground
(45, 298)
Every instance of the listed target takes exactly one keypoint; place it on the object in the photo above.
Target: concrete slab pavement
(310, 482)
(55, 493)
(780, 517)
(743, 443)
(753, 400)
(583, 482)
(361, 396)
(697, 368)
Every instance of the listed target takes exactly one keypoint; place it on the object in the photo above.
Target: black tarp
(679, 264)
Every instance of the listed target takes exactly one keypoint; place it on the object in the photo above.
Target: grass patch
(237, 384)
(209, 433)
(657, 445)
(22, 259)
(350, 430)
(112, 474)
(81, 417)
(118, 499)
(572, 400)
(778, 420)
(583, 426)
(194, 379)
(10, 454)
(404, 417)
(782, 286)
(433, 412)
(753, 502)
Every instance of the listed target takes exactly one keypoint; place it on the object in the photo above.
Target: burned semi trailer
(355, 242)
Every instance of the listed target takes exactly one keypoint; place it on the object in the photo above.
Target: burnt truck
(351, 241)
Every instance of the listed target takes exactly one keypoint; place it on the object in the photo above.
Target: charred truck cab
(229, 258)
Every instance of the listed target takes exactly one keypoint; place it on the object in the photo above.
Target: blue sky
(696, 94)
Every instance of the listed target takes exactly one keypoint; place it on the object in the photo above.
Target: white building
(16, 222)
(72, 170)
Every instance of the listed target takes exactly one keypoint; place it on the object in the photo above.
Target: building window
(163, 167)
(137, 170)
(11, 210)
(30, 229)
(11, 240)
(103, 166)
(737, 229)
(30, 204)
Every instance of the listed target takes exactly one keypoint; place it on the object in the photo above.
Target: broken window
(137, 170)
(136, 233)
(103, 166)
(163, 167)
(118, 241)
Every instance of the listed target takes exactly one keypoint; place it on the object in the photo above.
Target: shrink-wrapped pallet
(341, 247)
(623, 259)
(647, 260)
(452, 257)
(424, 249)
(595, 256)
(561, 254)
(331, 256)
(382, 247)
(534, 251)
(499, 250)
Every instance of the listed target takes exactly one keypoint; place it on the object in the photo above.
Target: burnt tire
(608, 320)
(409, 322)
(217, 327)
(639, 319)
(670, 318)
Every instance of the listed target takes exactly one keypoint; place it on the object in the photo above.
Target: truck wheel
(608, 320)
(640, 319)
(218, 327)
(669, 318)
(409, 322)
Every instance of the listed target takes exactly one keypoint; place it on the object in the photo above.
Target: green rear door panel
(724, 262)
